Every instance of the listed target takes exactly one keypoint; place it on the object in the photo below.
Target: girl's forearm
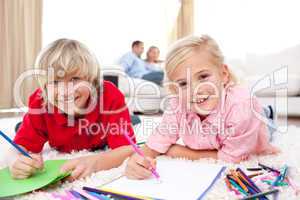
(149, 152)
(113, 158)
(177, 150)
(116, 157)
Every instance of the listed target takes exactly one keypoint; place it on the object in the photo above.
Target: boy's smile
(70, 94)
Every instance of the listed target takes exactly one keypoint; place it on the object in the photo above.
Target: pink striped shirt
(234, 128)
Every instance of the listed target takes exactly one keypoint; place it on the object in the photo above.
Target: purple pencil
(138, 151)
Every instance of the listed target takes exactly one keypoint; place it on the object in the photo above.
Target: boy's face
(201, 82)
(70, 94)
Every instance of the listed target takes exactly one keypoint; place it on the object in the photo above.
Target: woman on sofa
(152, 61)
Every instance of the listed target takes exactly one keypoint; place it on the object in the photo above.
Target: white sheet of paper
(179, 180)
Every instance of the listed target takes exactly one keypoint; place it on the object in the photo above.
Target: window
(244, 27)
(109, 27)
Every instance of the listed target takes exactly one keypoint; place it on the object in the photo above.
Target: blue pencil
(260, 194)
(14, 145)
(115, 195)
(276, 181)
(100, 196)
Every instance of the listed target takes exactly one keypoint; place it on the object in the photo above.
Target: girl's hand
(139, 167)
(24, 167)
(80, 167)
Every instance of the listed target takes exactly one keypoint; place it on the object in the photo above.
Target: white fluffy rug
(288, 142)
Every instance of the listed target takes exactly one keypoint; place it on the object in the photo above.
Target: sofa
(273, 78)
(141, 96)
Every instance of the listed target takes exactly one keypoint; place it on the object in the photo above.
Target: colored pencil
(250, 188)
(228, 183)
(234, 184)
(256, 174)
(14, 145)
(281, 176)
(238, 181)
(269, 182)
(249, 180)
(141, 143)
(69, 195)
(255, 169)
(260, 194)
(253, 189)
(87, 195)
(284, 173)
(138, 151)
(293, 185)
(114, 194)
(100, 196)
(268, 168)
(244, 179)
(77, 195)
(276, 181)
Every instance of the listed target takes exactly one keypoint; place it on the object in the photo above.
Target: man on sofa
(135, 67)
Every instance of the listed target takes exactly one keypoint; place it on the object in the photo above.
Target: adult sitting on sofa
(152, 58)
(135, 67)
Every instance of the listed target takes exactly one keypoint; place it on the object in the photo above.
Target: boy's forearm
(177, 150)
(113, 158)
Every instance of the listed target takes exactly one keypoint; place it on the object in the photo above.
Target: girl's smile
(200, 99)
(201, 81)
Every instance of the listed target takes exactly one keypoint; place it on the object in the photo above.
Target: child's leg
(155, 77)
(270, 114)
(135, 119)
(17, 126)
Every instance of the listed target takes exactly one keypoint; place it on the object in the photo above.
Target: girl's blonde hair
(185, 47)
(66, 56)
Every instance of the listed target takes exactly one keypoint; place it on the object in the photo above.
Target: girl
(72, 110)
(214, 117)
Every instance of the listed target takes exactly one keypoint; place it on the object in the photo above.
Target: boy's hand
(139, 167)
(24, 166)
(80, 167)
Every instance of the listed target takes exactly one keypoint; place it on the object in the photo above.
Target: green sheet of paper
(50, 174)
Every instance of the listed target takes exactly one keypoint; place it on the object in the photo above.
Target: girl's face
(70, 94)
(200, 82)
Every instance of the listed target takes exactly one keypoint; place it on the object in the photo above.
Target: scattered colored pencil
(255, 169)
(256, 174)
(274, 191)
(99, 191)
(234, 184)
(269, 168)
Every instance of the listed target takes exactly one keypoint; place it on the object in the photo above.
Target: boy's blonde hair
(185, 47)
(66, 56)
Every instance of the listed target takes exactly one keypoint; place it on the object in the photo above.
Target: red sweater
(95, 129)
